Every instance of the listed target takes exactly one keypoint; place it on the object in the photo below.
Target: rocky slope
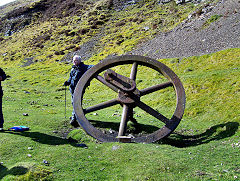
(212, 27)
(193, 37)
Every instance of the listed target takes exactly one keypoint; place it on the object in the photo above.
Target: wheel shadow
(18, 170)
(214, 133)
(115, 126)
(58, 140)
(176, 139)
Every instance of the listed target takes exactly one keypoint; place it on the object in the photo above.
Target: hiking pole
(65, 101)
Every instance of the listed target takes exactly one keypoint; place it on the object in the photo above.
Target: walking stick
(65, 101)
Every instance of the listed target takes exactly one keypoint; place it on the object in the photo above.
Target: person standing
(78, 69)
(2, 78)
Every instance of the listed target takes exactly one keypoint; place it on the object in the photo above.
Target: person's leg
(73, 121)
(1, 114)
(131, 118)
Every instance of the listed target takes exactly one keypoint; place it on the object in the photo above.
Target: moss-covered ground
(205, 145)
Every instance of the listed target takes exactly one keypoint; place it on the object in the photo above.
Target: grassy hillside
(205, 146)
(116, 32)
(14, 5)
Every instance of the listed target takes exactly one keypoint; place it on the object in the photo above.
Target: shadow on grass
(216, 132)
(176, 139)
(18, 170)
(45, 138)
(115, 126)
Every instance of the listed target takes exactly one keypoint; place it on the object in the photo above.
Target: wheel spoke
(102, 105)
(101, 79)
(155, 88)
(151, 111)
(129, 97)
(134, 71)
(123, 123)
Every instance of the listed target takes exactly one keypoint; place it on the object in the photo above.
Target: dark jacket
(75, 74)
(3, 75)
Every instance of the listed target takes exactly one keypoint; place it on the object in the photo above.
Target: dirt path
(190, 38)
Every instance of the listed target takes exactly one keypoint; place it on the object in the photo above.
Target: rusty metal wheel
(148, 93)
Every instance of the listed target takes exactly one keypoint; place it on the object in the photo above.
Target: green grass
(205, 146)
(40, 41)
(212, 19)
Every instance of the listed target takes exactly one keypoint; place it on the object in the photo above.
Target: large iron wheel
(128, 92)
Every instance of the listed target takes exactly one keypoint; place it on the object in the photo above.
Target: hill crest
(183, 28)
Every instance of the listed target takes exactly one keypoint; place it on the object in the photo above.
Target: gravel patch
(191, 39)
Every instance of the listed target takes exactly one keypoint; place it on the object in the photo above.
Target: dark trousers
(73, 112)
(1, 114)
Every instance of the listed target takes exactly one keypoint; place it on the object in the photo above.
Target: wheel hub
(126, 98)
(127, 90)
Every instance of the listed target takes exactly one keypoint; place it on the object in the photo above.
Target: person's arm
(68, 82)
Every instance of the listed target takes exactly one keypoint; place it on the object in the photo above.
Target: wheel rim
(93, 73)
